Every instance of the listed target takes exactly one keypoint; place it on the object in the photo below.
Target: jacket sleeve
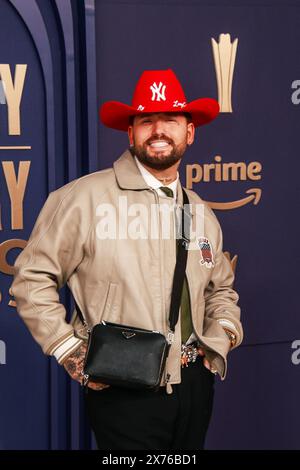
(220, 297)
(54, 250)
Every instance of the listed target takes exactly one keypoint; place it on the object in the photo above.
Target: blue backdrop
(81, 53)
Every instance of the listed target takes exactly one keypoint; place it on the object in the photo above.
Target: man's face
(159, 139)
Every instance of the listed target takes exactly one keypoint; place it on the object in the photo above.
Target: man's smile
(159, 145)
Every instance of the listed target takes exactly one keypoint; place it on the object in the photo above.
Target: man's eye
(146, 121)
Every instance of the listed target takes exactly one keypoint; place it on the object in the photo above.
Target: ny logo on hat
(157, 94)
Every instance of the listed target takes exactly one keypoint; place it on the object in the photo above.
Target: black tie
(167, 191)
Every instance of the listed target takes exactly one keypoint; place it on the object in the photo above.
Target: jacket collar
(127, 173)
(129, 176)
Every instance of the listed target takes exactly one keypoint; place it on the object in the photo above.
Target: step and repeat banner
(45, 123)
(59, 60)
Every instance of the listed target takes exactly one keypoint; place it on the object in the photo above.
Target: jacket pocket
(80, 330)
(111, 310)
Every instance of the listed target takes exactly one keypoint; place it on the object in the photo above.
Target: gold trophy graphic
(224, 53)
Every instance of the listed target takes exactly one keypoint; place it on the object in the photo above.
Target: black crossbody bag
(131, 357)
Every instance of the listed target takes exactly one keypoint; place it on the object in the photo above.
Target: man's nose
(158, 127)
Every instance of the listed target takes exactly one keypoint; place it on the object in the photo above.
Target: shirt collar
(154, 182)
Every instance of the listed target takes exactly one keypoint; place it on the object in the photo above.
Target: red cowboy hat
(158, 91)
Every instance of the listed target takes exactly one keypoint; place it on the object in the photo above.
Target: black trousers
(125, 419)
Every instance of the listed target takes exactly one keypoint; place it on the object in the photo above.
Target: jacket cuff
(65, 348)
(228, 324)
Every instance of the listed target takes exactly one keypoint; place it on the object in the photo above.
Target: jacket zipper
(86, 377)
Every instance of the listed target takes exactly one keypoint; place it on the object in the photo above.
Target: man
(128, 278)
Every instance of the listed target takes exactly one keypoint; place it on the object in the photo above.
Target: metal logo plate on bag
(128, 334)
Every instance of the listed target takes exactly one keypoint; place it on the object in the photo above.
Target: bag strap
(181, 261)
(180, 267)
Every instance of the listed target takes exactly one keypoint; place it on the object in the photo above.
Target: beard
(161, 160)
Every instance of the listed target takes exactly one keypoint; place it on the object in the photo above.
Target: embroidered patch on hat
(177, 104)
(206, 252)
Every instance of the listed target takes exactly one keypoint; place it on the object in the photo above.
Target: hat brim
(116, 115)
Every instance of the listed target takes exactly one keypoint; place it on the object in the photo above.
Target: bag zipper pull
(169, 388)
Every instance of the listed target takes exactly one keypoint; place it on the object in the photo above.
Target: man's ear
(190, 133)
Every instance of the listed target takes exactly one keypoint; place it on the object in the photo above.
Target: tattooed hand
(73, 365)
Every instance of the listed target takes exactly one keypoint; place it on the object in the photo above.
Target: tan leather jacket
(121, 280)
